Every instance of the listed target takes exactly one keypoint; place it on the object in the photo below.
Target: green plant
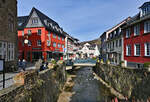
(121, 62)
(53, 61)
(108, 62)
(146, 65)
(94, 58)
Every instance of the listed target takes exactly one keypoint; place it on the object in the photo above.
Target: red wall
(33, 38)
(141, 39)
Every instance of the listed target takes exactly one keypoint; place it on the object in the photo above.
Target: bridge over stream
(82, 63)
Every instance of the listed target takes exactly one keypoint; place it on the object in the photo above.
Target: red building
(44, 37)
(137, 38)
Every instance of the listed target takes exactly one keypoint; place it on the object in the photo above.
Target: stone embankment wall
(132, 83)
(44, 86)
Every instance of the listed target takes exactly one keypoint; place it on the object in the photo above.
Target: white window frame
(127, 50)
(137, 30)
(29, 32)
(35, 20)
(63, 39)
(29, 43)
(146, 50)
(147, 26)
(63, 46)
(39, 32)
(59, 45)
(59, 38)
(54, 36)
(48, 43)
(54, 44)
(135, 50)
(128, 33)
(22, 33)
(39, 43)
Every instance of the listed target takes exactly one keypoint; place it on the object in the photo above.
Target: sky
(83, 19)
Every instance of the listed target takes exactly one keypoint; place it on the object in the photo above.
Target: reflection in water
(87, 88)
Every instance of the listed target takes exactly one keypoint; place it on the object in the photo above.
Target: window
(22, 33)
(54, 35)
(108, 45)
(11, 23)
(34, 20)
(10, 52)
(39, 32)
(29, 43)
(29, 32)
(59, 45)
(145, 10)
(49, 33)
(39, 42)
(147, 49)
(48, 43)
(58, 37)
(128, 50)
(136, 30)
(113, 44)
(137, 49)
(116, 43)
(146, 26)
(63, 39)
(120, 43)
(63, 46)
(54, 44)
(128, 33)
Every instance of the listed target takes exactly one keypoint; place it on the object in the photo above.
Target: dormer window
(145, 9)
(34, 20)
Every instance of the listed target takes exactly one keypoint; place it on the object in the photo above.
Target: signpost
(2, 68)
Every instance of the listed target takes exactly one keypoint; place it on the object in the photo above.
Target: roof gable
(33, 16)
(45, 21)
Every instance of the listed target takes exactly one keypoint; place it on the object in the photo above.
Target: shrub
(94, 58)
(107, 62)
(146, 65)
(121, 62)
(53, 61)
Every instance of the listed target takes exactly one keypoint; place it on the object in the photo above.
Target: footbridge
(81, 63)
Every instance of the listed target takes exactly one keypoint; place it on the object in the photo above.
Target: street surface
(9, 77)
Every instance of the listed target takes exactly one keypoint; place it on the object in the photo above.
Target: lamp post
(26, 41)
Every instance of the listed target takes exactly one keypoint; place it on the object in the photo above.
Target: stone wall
(8, 33)
(43, 86)
(132, 83)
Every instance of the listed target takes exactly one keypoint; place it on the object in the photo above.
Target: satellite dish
(26, 41)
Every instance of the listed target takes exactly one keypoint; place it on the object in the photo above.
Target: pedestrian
(23, 64)
(19, 64)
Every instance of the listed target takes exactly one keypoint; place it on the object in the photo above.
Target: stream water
(87, 88)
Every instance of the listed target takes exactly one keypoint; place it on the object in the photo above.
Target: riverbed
(82, 86)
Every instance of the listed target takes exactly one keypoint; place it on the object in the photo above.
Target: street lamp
(26, 41)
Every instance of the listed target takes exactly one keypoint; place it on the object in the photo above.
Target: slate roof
(146, 3)
(134, 18)
(43, 18)
(22, 21)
